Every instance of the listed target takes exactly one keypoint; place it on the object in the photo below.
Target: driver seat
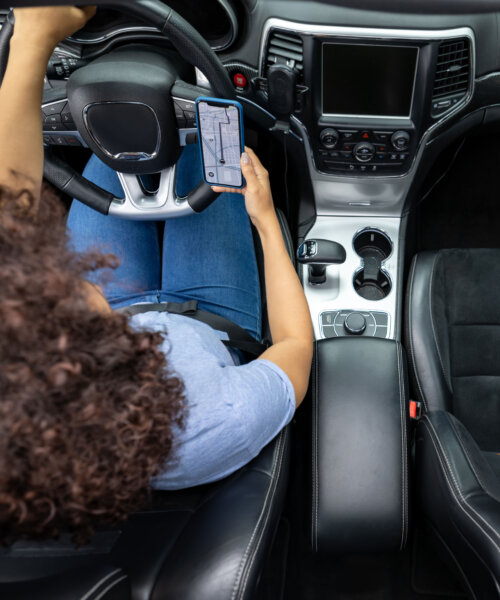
(203, 543)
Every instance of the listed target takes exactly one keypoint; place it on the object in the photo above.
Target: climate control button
(401, 140)
(329, 138)
(364, 151)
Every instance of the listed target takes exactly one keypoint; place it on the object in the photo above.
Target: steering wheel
(131, 107)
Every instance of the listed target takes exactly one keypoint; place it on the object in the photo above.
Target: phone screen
(220, 137)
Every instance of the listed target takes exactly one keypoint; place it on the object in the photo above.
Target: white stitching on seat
(458, 495)
(402, 410)
(111, 585)
(431, 285)
(410, 331)
(100, 582)
(272, 487)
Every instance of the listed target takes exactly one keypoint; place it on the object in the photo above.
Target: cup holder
(371, 281)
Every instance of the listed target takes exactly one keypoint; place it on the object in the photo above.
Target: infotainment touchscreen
(368, 80)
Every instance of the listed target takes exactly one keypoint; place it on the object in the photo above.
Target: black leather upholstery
(204, 543)
(453, 335)
(360, 445)
(460, 494)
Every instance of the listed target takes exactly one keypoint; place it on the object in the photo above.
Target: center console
(360, 446)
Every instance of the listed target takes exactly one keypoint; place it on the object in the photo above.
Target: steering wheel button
(53, 109)
(53, 118)
(185, 104)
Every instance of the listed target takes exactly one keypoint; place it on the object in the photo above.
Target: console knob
(355, 323)
(364, 151)
(329, 138)
(400, 140)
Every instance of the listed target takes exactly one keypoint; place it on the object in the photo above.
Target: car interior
(377, 121)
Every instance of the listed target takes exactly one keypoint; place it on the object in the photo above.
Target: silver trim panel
(338, 292)
(140, 205)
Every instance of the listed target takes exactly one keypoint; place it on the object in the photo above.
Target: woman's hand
(48, 25)
(257, 192)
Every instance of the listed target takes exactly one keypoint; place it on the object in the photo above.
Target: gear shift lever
(318, 254)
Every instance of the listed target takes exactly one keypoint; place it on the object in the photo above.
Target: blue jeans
(208, 257)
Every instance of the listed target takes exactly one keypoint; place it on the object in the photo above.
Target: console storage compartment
(360, 446)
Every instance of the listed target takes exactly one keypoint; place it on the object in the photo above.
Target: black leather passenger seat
(453, 339)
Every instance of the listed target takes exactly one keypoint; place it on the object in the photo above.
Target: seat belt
(239, 338)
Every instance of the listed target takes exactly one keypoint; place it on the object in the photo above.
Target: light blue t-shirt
(233, 410)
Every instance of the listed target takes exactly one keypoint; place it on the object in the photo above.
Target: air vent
(285, 48)
(453, 71)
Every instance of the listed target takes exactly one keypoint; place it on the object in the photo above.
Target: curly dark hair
(88, 407)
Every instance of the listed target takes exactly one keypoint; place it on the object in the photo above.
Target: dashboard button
(381, 319)
(381, 332)
(355, 323)
(383, 136)
(381, 156)
(328, 318)
(393, 156)
(347, 147)
(334, 154)
(346, 154)
(329, 331)
(401, 140)
(329, 138)
(348, 134)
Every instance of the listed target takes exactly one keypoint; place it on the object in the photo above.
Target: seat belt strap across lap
(238, 337)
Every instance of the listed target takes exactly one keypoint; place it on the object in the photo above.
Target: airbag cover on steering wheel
(122, 107)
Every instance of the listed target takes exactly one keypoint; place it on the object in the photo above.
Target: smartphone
(220, 131)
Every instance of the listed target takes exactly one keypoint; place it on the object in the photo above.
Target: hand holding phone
(220, 131)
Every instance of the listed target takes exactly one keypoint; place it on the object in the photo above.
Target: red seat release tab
(415, 409)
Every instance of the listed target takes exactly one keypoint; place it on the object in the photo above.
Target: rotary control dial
(364, 151)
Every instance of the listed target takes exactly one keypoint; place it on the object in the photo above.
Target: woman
(94, 406)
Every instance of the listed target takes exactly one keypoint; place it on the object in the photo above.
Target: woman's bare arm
(37, 31)
(288, 312)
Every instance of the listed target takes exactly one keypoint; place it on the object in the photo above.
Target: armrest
(360, 445)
